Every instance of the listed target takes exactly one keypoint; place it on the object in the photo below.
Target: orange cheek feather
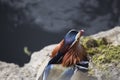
(55, 51)
(57, 48)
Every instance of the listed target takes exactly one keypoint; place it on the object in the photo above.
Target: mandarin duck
(67, 57)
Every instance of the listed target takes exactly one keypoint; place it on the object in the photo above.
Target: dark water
(13, 43)
(18, 29)
(13, 39)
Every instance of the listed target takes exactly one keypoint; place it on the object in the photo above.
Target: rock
(34, 69)
(9, 71)
(112, 73)
(112, 36)
(37, 63)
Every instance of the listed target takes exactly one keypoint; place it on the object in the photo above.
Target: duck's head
(72, 37)
(68, 51)
(74, 51)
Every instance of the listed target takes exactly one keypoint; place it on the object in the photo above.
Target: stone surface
(34, 69)
(9, 71)
(112, 36)
(37, 63)
(29, 71)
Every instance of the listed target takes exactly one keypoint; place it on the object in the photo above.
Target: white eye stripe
(76, 38)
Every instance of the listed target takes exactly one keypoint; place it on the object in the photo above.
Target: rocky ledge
(33, 69)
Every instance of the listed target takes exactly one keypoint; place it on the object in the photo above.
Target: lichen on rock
(101, 51)
(104, 45)
(105, 56)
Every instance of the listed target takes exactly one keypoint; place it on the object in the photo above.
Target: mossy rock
(89, 42)
(101, 51)
(102, 41)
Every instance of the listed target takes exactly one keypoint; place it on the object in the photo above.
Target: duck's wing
(81, 72)
(67, 74)
(58, 72)
(55, 61)
(53, 72)
(46, 72)
(81, 68)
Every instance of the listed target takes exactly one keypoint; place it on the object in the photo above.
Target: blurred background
(29, 25)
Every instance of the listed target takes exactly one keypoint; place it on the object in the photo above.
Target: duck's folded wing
(46, 72)
(67, 74)
(57, 72)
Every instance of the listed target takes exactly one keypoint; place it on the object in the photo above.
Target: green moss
(100, 51)
(102, 41)
(88, 42)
